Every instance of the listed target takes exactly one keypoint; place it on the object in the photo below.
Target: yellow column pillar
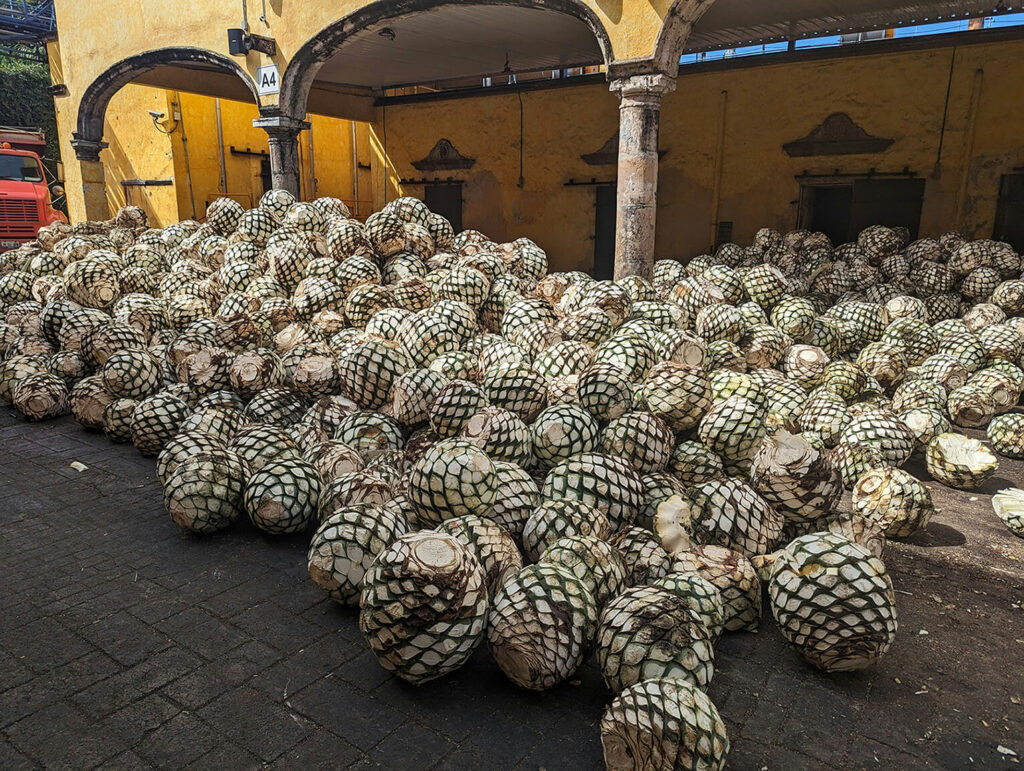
(94, 188)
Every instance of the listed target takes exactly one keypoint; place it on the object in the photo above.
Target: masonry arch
(675, 29)
(308, 61)
(92, 107)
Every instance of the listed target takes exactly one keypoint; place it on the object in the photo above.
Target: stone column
(94, 186)
(637, 191)
(283, 139)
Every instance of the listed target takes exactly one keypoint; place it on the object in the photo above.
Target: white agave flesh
(673, 524)
(1008, 505)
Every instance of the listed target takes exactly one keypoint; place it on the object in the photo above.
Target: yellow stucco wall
(558, 125)
(138, 150)
(896, 95)
(98, 34)
(899, 96)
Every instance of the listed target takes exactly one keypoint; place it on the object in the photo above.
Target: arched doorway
(193, 70)
(479, 38)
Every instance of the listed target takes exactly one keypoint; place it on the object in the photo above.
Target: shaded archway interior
(188, 68)
(460, 41)
(206, 81)
(395, 43)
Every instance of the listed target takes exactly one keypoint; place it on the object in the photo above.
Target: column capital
(633, 86)
(281, 126)
(87, 149)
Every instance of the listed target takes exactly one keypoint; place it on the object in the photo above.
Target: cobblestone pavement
(126, 643)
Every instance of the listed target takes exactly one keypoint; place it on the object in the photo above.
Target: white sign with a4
(268, 80)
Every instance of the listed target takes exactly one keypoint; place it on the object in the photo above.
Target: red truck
(25, 203)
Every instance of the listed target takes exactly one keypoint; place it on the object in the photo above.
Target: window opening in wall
(1009, 225)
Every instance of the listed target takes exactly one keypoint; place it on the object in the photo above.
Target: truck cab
(25, 203)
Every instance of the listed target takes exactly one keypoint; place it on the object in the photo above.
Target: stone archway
(675, 29)
(93, 106)
(87, 139)
(305, 64)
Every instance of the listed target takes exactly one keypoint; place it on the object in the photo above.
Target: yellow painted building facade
(951, 108)
(722, 137)
(142, 150)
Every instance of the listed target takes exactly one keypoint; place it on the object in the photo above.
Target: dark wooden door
(1009, 225)
(445, 199)
(604, 232)
(892, 202)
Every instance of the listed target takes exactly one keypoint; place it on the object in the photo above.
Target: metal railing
(24, 25)
(22, 17)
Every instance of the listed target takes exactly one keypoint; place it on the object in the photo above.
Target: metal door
(1009, 225)
(604, 232)
(892, 202)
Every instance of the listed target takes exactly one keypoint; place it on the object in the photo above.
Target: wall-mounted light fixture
(241, 43)
(387, 33)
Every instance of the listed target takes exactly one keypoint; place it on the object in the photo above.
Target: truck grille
(18, 210)
(18, 217)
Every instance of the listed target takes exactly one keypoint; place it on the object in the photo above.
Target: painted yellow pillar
(94, 188)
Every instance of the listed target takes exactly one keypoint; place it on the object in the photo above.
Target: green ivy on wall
(25, 100)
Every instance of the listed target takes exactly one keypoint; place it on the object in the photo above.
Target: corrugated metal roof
(733, 23)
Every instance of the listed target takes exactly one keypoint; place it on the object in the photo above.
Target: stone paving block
(468, 755)
(784, 758)
(506, 736)
(126, 761)
(747, 754)
(361, 720)
(13, 672)
(24, 699)
(297, 670)
(320, 750)
(272, 625)
(195, 628)
(77, 746)
(363, 670)
(125, 639)
(226, 757)
(133, 722)
(340, 621)
(178, 742)
(200, 686)
(253, 720)
(145, 677)
(411, 746)
(44, 723)
(12, 759)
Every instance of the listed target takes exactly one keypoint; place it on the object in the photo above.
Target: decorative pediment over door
(608, 154)
(444, 157)
(838, 134)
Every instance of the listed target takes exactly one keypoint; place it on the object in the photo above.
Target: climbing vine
(25, 100)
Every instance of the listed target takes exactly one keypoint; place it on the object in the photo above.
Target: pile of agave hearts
(557, 465)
